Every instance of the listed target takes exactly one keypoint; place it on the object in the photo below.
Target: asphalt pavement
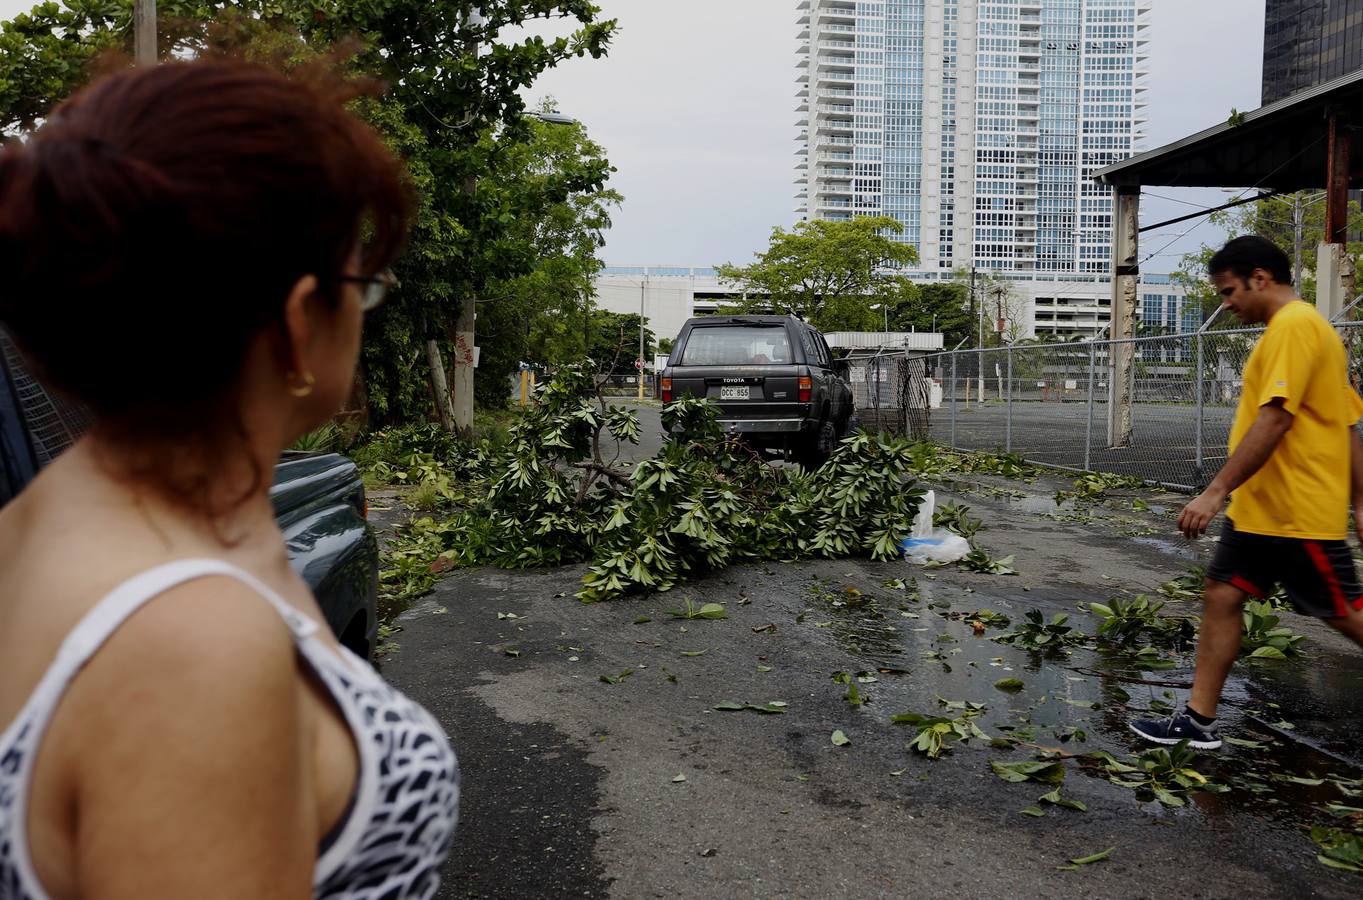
(595, 762)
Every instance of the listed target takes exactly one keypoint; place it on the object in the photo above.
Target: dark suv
(776, 383)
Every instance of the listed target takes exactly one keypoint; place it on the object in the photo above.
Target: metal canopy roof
(1281, 146)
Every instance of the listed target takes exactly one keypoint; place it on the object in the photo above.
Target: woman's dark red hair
(156, 223)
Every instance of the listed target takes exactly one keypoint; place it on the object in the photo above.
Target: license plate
(734, 393)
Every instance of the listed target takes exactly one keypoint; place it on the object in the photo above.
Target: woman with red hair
(188, 253)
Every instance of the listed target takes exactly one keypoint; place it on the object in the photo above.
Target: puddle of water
(1177, 546)
(923, 651)
(1041, 505)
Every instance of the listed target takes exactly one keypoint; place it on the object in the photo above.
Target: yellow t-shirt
(1303, 491)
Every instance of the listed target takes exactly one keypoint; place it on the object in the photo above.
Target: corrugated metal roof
(884, 340)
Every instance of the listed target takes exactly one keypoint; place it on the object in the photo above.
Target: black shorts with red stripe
(1318, 576)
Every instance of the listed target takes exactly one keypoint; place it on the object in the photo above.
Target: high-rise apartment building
(974, 123)
(1308, 42)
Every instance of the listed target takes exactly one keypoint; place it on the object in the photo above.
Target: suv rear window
(737, 345)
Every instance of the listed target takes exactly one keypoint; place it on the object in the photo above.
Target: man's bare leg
(1218, 644)
(1350, 626)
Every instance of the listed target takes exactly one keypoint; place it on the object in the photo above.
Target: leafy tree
(828, 273)
(615, 338)
(453, 109)
(543, 316)
(934, 306)
(1274, 218)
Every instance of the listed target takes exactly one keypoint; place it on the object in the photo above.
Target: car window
(823, 349)
(813, 352)
(736, 345)
(53, 424)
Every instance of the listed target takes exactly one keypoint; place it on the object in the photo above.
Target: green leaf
(1096, 857)
(512, 652)
(1045, 772)
(695, 652)
(712, 611)
(679, 778)
(1010, 685)
(762, 668)
(839, 739)
(1267, 652)
(642, 620)
(1338, 863)
(1297, 779)
(1033, 811)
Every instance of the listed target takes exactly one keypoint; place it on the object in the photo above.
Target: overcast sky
(696, 107)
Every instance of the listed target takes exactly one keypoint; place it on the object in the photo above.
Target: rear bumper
(763, 426)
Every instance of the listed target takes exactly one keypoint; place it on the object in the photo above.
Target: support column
(1125, 276)
(1331, 260)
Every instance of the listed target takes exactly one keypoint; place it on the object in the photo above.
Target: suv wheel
(819, 447)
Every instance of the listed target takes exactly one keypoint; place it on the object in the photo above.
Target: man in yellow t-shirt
(1296, 464)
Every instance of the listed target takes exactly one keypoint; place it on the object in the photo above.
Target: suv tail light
(806, 385)
(667, 390)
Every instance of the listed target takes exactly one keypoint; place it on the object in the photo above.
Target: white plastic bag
(927, 544)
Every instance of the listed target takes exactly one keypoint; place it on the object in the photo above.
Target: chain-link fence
(876, 386)
(1050, 402)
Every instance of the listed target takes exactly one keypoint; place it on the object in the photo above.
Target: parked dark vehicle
(318, 500)
(776, 383)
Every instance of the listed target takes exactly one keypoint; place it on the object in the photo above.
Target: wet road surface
(571, 780)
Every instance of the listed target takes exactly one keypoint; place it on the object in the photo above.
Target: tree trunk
(440, 388)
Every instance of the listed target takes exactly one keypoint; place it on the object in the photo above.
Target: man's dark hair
(1242, 255)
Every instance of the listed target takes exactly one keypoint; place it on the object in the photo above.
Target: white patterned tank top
(391, 842)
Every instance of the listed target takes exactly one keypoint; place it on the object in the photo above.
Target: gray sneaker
(1176, 728)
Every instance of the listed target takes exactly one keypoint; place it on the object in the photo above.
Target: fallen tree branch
(616, 477)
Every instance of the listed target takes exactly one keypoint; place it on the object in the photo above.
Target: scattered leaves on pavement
(771, 707)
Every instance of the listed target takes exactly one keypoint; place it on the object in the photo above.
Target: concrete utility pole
(1297, 229)
(144, 32)
(464, 338)
(643, 288)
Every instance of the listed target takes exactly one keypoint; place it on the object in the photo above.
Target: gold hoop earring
(305, 388)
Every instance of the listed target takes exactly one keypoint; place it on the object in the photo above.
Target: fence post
(1197, 465)
(952, 439)
(1008, 417)
(1088, 427)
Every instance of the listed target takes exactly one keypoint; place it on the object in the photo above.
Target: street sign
(639, 364)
